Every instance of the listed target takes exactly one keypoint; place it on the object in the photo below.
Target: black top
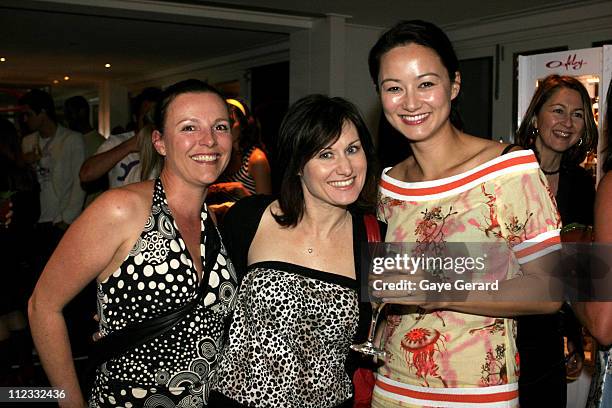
(159, 276)
(576, 196)
(291, 322)
(540, 337)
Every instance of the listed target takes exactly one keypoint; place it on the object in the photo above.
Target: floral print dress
(447, 358)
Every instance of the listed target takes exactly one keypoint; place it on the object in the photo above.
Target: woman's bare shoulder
(123, 203)
(486, 150)
(605, 184)
(403, 169)
(258, 157)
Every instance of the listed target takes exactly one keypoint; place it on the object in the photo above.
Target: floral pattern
(446, 349)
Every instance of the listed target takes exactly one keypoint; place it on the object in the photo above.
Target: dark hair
(9, 140)
(249, 129)
(39, 100)
(76, 109)
(77, 103)
(15, 174)
(170, 93)
(607, 165)
(422, 33)
(311, 124)
(527, 133)
(148, 94)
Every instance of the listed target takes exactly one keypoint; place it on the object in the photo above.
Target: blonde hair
(151, 162)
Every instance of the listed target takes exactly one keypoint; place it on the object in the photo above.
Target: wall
(575, 27)
(330, 55)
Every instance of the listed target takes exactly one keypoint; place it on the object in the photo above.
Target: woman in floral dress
(455, 187)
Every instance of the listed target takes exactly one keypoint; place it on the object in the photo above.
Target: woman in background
(597, 315)
(560, 128)
(248, 171)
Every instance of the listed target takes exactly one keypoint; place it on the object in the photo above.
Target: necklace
(310, 249)
(550, 173)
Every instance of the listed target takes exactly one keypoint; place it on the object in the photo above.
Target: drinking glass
(368, 346)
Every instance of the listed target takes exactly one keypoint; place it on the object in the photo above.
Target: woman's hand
(234, 188)
(97, 335)
(573, 362)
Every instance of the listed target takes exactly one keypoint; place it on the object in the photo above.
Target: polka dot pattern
(175, 368)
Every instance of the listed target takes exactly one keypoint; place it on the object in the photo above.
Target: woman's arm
(597, 316)
(260, 171)
(92, 248)
(532, 293)
(523, 212)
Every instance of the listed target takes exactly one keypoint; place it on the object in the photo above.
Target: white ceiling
(44, 40)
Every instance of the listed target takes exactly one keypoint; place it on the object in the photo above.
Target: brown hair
(527, 132)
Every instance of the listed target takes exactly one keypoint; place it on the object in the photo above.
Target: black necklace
(550, 173)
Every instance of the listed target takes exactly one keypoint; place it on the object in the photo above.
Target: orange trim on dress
(433, 396)
(536, 247)
(461, 182)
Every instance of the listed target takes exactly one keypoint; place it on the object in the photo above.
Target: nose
(208, 138)
(567, 120)
(345, 167)
(410, 101)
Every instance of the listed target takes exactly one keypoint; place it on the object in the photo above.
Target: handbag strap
(117, 343)
(372, 228)
(508, 148)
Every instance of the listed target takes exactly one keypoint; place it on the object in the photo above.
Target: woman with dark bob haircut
(300, 259)
(455, 187)
(560, 128)
(165, 284)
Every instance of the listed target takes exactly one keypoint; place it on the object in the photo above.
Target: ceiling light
(55, 81)
(66, 78)
(107, 65)
(2, 59)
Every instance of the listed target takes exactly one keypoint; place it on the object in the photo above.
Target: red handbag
(363, 381)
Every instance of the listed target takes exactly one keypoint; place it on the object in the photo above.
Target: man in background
(119, 156)
(57, 154)
(76, 113)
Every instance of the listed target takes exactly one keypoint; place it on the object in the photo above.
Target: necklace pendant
(310, 250)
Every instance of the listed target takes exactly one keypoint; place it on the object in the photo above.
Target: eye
(353, 149)
(393, 89)
(222, 127)
(188, 128)
(579, 115)
(426, 84)
(558, 110)
(325, 155)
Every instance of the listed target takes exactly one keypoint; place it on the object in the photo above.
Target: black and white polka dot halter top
(177, 367)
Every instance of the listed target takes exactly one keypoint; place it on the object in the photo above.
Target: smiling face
(196, 139)
(415, 91)
(337, 173)
(560, 122)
